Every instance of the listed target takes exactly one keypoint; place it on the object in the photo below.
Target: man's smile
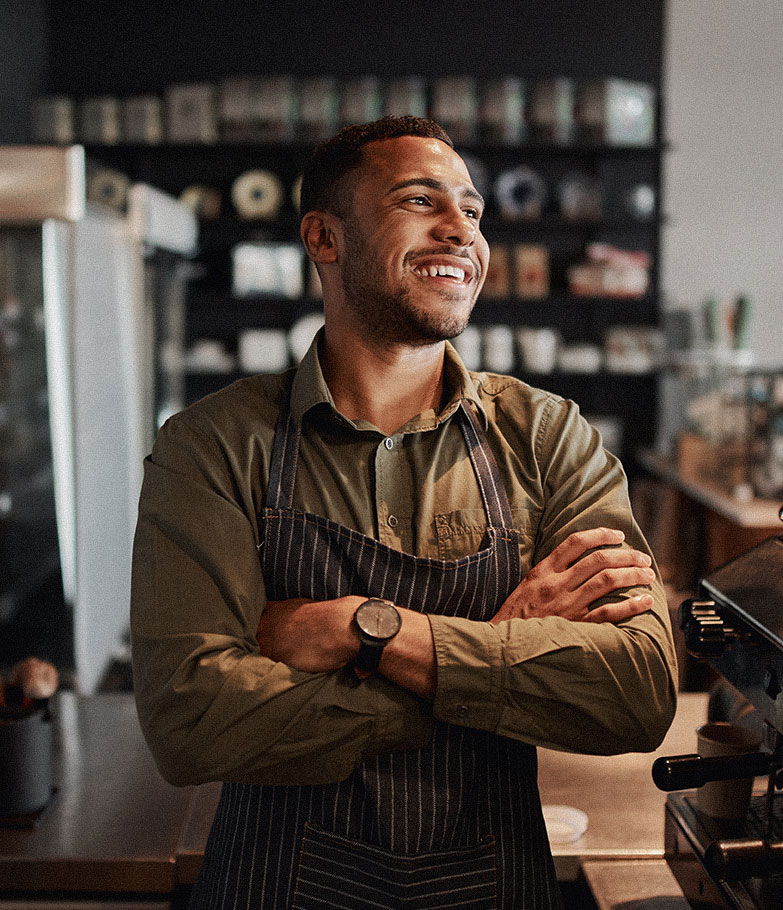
(456, 269)
(434, 271)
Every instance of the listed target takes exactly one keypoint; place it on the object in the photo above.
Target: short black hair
(323, 183)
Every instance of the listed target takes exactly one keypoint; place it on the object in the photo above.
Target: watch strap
(369, 656)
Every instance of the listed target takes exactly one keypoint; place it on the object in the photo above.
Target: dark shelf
(301, 148)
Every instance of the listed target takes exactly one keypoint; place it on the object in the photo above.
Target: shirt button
(462, 710)
(388, 442)
(392, 521)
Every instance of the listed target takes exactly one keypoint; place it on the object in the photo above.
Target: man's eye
(473, 213)
(419, 200)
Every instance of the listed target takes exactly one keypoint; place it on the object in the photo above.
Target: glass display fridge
(91, 333)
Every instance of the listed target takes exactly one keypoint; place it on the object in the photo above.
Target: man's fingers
(578, 543)
(609, 580)
(606, 560)
(617, 612)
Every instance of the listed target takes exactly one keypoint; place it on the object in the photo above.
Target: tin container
(25, 762)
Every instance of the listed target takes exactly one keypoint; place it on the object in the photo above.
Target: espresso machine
(735, 624)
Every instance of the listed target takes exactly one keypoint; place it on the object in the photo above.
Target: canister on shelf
(550, 110)
(142, 119)
(455, 106)
(257, 194)
(499, 350)
(360, 100)
(204, 201)
(497, 282)
(521, 194)
(262, 350)
(502, 111)
(531, 271)
(615, 111)
(268, 268)
(404, 96)
(538, 348)
(53, 120)
(274, 109)
(191, 113)
(99, 120)
(318, 108)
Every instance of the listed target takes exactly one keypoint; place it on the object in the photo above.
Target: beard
(392, 315)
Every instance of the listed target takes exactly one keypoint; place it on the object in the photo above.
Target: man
(366, 590)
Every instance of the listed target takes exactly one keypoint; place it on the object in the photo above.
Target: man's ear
(320, 234)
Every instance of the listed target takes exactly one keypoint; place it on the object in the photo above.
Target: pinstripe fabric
(456, 824)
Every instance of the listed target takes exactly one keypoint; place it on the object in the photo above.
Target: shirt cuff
(469, 658)
(402, 721)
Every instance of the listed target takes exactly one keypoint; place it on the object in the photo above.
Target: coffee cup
(725, 799)
(538, 348)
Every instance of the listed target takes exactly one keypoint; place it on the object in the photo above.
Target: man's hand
(319, 636)
(567, 582)
(312, 636)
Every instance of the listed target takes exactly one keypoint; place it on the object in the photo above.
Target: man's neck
(384, 386)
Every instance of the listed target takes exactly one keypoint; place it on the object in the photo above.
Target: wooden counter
(114, 824)
(695, 526)
(625, 809)
(752, 514)
(117, 827)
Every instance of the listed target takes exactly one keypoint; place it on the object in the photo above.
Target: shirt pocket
(338, 871)
(461, 533)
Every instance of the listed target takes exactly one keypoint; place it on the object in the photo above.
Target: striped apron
(455, 824)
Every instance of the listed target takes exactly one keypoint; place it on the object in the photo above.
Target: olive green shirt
(213, 708)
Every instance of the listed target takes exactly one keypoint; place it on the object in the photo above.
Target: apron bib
(455, 824)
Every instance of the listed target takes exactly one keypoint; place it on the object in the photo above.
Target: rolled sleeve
(574, 686)
(469, 657)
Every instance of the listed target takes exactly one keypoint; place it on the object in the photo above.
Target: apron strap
(493, 490)
(285, 453)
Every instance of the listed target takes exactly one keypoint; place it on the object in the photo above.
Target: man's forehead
(405, 157)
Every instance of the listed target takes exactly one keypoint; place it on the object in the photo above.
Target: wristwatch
(378, 621)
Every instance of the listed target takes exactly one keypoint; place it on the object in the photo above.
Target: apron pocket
(338, 872)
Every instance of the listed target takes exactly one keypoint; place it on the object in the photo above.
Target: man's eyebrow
(434, 184)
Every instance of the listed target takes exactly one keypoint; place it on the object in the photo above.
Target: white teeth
(433, 271)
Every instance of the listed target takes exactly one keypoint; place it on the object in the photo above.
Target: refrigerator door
(108, 425)
(28, 532)
(99, 313)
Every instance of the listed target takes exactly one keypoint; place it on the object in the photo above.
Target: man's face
(414, 258)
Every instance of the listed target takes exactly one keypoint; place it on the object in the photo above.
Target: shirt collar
(310, 389)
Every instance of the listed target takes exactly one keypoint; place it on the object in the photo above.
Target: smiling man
(365, 590)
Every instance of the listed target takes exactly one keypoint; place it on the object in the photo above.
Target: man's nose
(456, 226)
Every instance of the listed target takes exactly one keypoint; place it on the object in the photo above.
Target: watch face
(378, 619)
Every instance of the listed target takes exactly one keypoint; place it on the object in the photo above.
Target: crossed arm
(318, 636)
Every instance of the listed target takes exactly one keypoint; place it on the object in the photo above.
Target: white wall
(723, 177)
